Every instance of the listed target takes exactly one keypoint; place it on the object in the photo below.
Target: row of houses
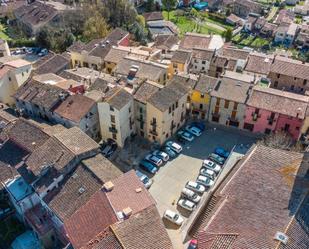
(68, 194)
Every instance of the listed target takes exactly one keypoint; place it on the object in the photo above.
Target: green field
(189, 24)
(3, 33)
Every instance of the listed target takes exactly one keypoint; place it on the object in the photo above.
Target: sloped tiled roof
(89, 220)
(76, 141)
(259, 63)
(256, 209)
(145, 91)
(205, 83)
(75, 107)
(52, 152)
(104, 240)
(104, 169)
(143, 230)
(73, 192)
(278, 101)
(290, 67)
(125, 194)
(181, 56)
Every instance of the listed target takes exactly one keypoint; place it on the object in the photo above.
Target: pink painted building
(275, 110)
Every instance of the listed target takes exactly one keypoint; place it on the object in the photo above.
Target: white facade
(199, 66)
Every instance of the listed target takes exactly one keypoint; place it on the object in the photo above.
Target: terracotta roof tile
(278, 101)
(125, 194)
(143, 230)
(89, 220)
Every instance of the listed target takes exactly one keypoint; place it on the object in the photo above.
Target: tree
(168, 5)
(119, 13)
(228, 34)
(150, 6)
(95, 27)
(141, 20)
(280, 140)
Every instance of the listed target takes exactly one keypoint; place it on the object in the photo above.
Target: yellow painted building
(179, 63)
(200, 96)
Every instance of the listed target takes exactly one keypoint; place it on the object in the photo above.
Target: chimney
(108, 186)
(127, 211)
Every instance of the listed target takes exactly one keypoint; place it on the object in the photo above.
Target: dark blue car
(199, 125)
(148, 166)
(222, 152)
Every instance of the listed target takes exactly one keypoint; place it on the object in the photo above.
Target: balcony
(112, 129)
(255, 116)
(153, 132)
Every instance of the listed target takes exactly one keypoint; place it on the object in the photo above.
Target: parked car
(191, 195)
(211, 165)
(173, 217)
(161, 154)
(185, 135)
(222, 152)
(186, 204)
(169, 151)
(153, 159)
(193, 130)
(196, 187)
(216, 158)
(206, 181)
(144, 179)
(174, 146)
(192, 244)
(199, 125)
(108, 148)
(208, 172)
(148, 166)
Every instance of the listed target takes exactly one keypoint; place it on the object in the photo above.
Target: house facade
(270, 110)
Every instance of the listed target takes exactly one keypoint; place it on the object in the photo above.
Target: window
(141, 110)
(10, 79)
(235, 106)
(141, 125)
(174, 65)
(226, 104)
(292, 87)
(112, 118)
(22, 74)
(129, 109)
(164, 77)
(305, 82)
(203, 62)
(176, 104)
(169, 110)
(111, 108)
(201, 106)
(218, 102)
(202, 95)
(276, 84)
(203, 68)
(114, 135)
(173, 107)
(278, 76)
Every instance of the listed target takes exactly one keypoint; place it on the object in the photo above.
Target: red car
(193, 244)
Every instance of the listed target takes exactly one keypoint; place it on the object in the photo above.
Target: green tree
(95, 27)
(141, 20)
(228, 34)
(168, 5)
(119, 13)
(150, 6)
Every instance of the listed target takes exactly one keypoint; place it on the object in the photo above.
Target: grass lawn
(259, 42)
(3, 33)
(10, 228)
(247, 41)
(187, 24)
(272, 13)
(237, 38)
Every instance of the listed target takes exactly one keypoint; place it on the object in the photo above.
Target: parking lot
(172, 177)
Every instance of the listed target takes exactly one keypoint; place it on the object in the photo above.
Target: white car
(174, 146)
(194, 130)
(196, 187)
(185, 135)
(155, 160)
(208, 172)
(173, 217)
(186, 204)
(211, 165)
(163, 155)
(206, 181)
(191, 195)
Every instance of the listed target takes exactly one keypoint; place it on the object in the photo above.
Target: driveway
(172, 177)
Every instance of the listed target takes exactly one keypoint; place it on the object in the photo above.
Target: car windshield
(145, 180)
(176, 216)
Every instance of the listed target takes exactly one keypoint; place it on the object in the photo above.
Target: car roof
(170, 213)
